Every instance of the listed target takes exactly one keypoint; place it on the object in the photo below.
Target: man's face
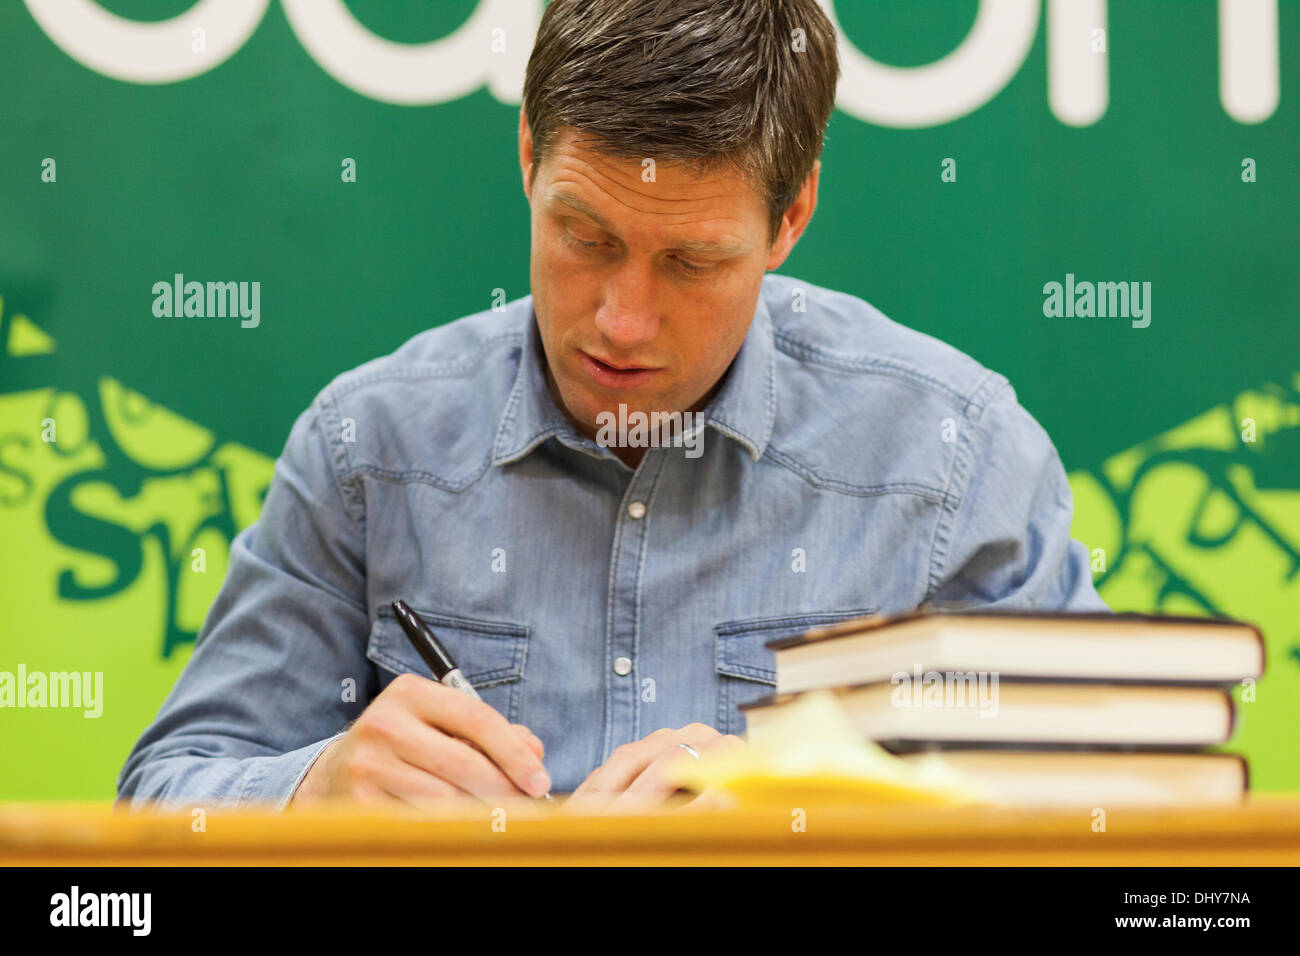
(644, 288)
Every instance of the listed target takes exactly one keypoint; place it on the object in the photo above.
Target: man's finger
(419, 788)
(702, 739)
(652, 786)
(455, 760)
(710, 799)
(455, 714)
(621, 762)
(530, 738)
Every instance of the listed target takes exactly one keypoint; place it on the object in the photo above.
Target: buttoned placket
(628, 555)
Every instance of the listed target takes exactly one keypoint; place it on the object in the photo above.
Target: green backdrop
(1137, 141)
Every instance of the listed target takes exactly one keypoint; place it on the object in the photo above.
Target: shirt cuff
(283, 775)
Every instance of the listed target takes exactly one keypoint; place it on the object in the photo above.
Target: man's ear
(796, 219)
(526, 154)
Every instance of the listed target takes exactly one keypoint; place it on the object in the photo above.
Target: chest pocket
(746, 669)
(491, 654)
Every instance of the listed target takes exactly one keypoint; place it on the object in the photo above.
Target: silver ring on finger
(690, 750)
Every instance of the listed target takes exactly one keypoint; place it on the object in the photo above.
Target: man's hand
(634, 776)
(418, 742)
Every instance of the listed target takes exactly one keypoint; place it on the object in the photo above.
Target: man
(594, 584)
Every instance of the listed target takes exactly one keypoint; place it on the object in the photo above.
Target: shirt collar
(744, 408)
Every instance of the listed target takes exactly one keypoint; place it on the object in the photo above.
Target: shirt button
(622, 666)
(636, 510)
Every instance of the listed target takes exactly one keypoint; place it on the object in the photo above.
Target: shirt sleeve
(1004, 538)
(279, 666)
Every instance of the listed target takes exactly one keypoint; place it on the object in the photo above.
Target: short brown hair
(691, 82)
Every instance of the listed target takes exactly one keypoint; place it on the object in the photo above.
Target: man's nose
(628, 316)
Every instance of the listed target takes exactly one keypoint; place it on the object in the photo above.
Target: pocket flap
(487, 652)
(740, 644)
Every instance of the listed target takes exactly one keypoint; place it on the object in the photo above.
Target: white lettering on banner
(1077, 77)
(414, 74)
(906, 97)
(1248, 70)
(491, 49)
(160, 52)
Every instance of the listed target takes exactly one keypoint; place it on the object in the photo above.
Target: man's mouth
(612, 376)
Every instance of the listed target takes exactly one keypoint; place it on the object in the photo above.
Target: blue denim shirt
(848, 465)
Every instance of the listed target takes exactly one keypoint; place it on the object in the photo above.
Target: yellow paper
(811, 749)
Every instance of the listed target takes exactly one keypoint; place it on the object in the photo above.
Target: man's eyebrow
(727, 248)
(574, 202)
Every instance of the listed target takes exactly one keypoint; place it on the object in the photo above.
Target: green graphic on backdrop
(1205, 520)
(124, 512)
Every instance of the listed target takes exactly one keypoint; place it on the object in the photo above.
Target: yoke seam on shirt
(420, 476)
(455, 368)
(803, 350)
(353, 499)
(821, 482)
(959, 476)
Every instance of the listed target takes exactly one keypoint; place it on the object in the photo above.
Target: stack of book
(1043, 709)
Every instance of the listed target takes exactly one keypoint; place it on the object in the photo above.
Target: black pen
(435, 655)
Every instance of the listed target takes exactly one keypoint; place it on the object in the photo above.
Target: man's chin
(622, 405)
(597, 411)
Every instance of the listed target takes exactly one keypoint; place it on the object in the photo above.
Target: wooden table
(1263, 830)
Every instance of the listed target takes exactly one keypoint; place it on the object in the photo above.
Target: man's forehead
(595, 150)
(596, 190)
(648, 176)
